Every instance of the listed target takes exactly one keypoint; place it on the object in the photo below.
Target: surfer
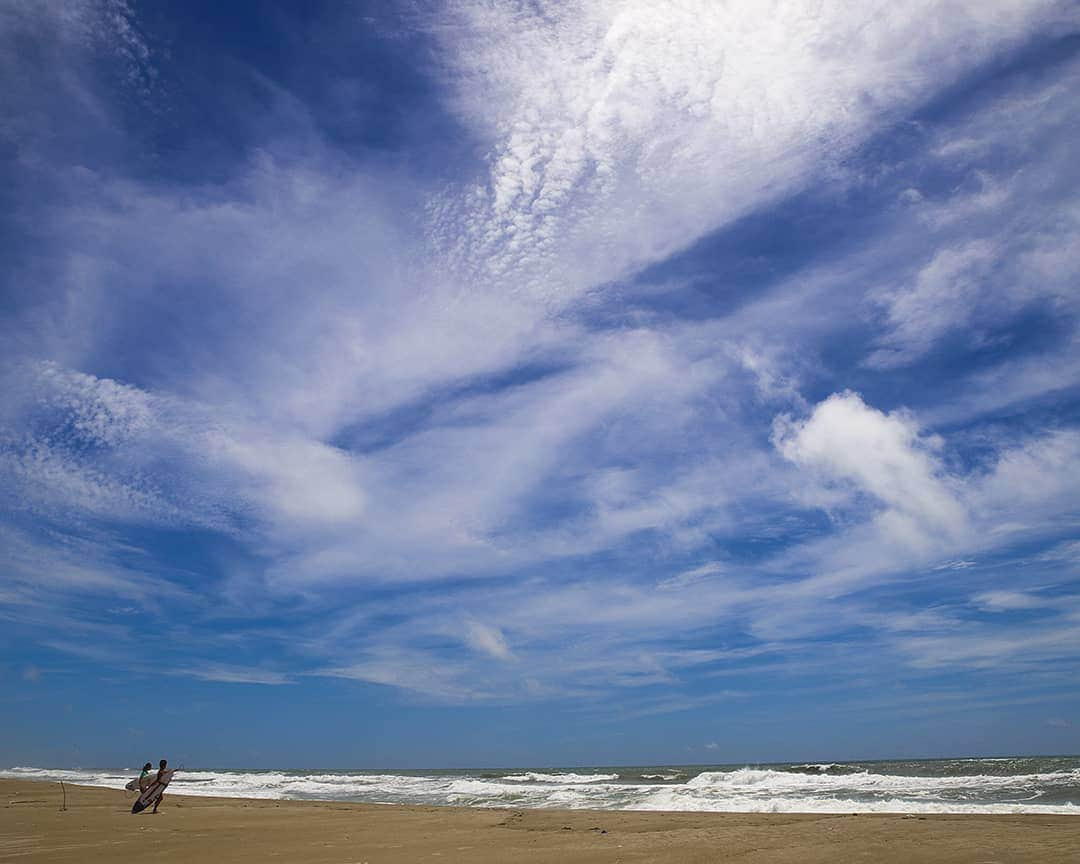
(155, 789)
(160, 779)
(143, 781)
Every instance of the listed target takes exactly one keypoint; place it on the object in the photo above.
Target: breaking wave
(939, 786)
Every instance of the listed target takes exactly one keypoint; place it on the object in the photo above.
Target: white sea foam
(569, 777)
(763, 790)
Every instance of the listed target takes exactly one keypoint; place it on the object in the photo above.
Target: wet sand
(98, 827)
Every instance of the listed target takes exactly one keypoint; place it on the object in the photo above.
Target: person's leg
(158, 803)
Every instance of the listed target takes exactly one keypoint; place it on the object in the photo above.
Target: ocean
(1045, 784)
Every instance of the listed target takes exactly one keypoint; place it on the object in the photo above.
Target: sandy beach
(98, 827)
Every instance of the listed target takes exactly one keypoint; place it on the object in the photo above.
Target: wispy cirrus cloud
(621, 132)
(439, 460)
(234, 675)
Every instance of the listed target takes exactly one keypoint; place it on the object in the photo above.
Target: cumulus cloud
(908, 516)
(883, 455)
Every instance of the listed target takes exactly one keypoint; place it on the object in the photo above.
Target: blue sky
(538, 383)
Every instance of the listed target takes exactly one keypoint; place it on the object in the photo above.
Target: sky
(538, 382)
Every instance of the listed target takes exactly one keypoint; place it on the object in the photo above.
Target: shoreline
(98, 827)
(1027, 786)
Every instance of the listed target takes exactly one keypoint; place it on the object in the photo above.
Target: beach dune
(98, 827)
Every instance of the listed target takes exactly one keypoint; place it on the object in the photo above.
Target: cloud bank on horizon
(618, 356)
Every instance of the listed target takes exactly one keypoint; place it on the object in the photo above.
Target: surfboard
(153, 792)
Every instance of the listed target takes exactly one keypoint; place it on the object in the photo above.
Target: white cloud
(690, 577)
(1067, 552)
(420, 672)
(487, 639)
(941, 298)
(617, 133)
(71, 37)
(297, 482)
(918, 516)
(232, 675)
(83, 446)
(983, 647)
(92, 447)
(881, 454)
(1003, 238)
(1031, 481)
(1008, 601)
(621, 131)
(49, 480)
(59, 567)
(99, 410)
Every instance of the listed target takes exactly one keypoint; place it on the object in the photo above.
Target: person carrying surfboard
(162, 779)
(155, 789)
(143, 781)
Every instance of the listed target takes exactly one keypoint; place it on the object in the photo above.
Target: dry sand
(98, 827)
